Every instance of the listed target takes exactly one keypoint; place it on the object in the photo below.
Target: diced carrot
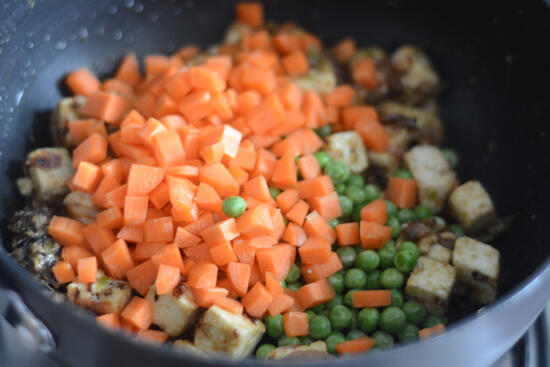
(230, 305)
(277, 260)
(66, 231)
(217, 176)
(344, 50)
(357, 345)
(154, 213)
(160, 196)
(117, 259)
(286, 43)
(168, 148)
(168, 278)
(106, 106)
(222, 254)
(371, 298)
(109, 320)
(221, 232)
(247, 101)
(315, 224)
(145, 104)
(309, 167)
(352, 114)
(182, 192)
(256, 222)
(87, 177)
(258, 78)
(246, 156)
(98, 238)
(195, 105)
(295, 64)
(296, 324)
(228, 136)
(308, 41)
(115, 197)
(63, 272)
(284, 173)
(187, 171)
(149, 130)
(298, 212)
(131, 234)
(73, 253)
(201, 78)
(206, 297)
(143, 179)
(375, 212)
(373, 134)
(373, 235)
(87, 269)
(341, 96)
(128, 70)
(198, 253)
(113, 169)
(117, 86)
(204, 275)
(328, 205)
(135, 210)
(278, 223)
(207, 198)
(273, 285)
(348, 234)
(212, 153)
(319, 186)
(145, 250)
(314, 272)
(159, 229)
(239, 174)
(155, 64)
(141, 277)
(364, 73)
(315, 250)
(107, 184)
(295, 235)
(139, 313)
(184, 238)
(267, 115)
(82, 81)
(296, 305)
(204, 221)
(257, 188)
(111, 218)
(281, 303)
(402, 192)
(287, 199)
(79, 130)
(430, 331)
(156, 336)
(313, 294)
(250, 13)
(239, 276)
(257, 300)
(169, 255)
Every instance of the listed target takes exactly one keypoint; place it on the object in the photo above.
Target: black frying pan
(493, 60)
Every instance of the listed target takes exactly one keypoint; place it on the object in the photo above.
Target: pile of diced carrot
(186, 138)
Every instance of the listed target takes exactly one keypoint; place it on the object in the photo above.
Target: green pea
(396, 298)
(373, 280)
(410, 246)
(337, 282)
(319, 327)
(382, 340)
(334, 338)
(322, 158)
(356, 213)
(294, 286)
(263, 350)
(287, 340)
(372, 191)
(409, 333)
(367, 260)
(457, 230)
(404, 261)
(386, 256)
(391, 208)
(392, 320)
(406, 215)
(433, 320)
(335, 301)
(368, 319)
(414, 312)
(348, 298)
(274, 325)
(354, 334)
(392, 278)
(451, 156)
(422, 212)
(355, 279)
(310, 314)
(293, 274)
(403, 173)
(340, 188)
(347, 256)
(395, 226)
(274, 192)
(357, 194)
(324, 131)
(234, 206)
(338, 171)
(346, 205)
(354, 324)
(355, 179)
(318, 308)
(340, 317)
(306, 340)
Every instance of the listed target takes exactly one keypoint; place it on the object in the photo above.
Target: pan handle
(29, 327)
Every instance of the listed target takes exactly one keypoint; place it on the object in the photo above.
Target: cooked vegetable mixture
(268, 196)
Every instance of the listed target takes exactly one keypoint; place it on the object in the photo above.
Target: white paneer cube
(440, 253)
(49, 169)
(472, 206)
(477, 265)
(80, 206)
(433, 175)
(431, 283)
(222, 331)
(425, 243)
(316, 350)
(106, 295)
(348, 147)
(174, 312)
